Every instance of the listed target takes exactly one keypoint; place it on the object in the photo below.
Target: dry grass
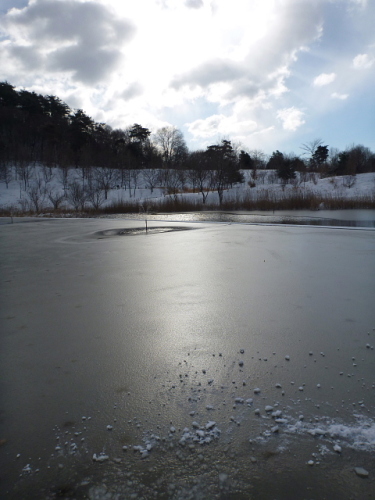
(265, 201)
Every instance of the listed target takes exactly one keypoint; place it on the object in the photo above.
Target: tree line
(43, 130)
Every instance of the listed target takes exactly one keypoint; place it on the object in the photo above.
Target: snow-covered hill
(41, 189)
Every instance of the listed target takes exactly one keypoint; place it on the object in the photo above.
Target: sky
(268, 74)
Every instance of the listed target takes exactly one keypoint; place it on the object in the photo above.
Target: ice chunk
(361, 472)
(317, 432)
(102, 457)
(281, 420)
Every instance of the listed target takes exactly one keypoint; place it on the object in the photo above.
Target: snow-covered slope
(44, 183)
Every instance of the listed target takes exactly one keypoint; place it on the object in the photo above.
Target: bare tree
(95, 196)
(272, 177)
(318, 154)
(181, 175)
(310, 147)
(199, 173)
(24, 171)
(105, 178)
(36, 194)
(134, 175)
(47, 174)
(76, 195)
(261, 175)
(6, 173)
(164, 174)
(63, 173)
(258, 158)
(151, 178)
(173, 183)
(349, 180)
(223, 162)
(172, 146)
(24, 203)
(56, 198)
(360, 159)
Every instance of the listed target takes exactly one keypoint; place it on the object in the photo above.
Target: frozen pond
(225, 361)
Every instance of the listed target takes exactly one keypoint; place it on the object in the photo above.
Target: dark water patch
(134, 231)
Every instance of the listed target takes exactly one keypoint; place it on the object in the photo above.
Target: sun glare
(174, 39)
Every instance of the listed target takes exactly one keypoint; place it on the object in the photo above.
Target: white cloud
(207, 127)
(292, 118)
(342, 97)
(81, 39)
(133, 90)
(221, 125)
(267, 41)
(194, 4)
(363, 61)
(324, 79)
(361, 3)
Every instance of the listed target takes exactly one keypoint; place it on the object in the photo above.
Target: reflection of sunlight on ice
(186, 295)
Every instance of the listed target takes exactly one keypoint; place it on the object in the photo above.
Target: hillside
(61, 191)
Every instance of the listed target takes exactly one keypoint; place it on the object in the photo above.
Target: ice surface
(129, 335)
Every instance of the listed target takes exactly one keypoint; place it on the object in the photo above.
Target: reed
(261, 201)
